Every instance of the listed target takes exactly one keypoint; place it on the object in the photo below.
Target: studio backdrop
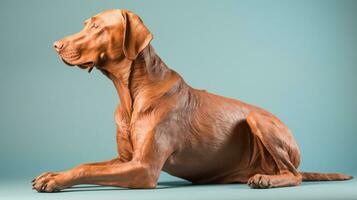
(297, 59)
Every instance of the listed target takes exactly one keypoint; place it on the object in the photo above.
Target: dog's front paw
(50, 182)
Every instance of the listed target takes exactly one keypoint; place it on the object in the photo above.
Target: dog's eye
(94, 26)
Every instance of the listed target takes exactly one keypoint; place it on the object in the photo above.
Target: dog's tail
(313, 176)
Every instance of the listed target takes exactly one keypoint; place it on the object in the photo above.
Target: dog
(164, 124)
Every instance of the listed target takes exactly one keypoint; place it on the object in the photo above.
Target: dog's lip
(69, 55)
(83, 65)
(86, 65)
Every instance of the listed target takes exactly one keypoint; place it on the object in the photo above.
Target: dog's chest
(124, 143)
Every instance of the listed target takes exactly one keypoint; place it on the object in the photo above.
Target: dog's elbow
(145, 178)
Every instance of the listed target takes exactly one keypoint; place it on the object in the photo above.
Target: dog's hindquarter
(216, 145)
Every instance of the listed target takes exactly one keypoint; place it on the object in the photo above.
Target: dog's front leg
(130, 174)
(107, 162)
(141, 172)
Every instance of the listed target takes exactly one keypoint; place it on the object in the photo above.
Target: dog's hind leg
(276, 138)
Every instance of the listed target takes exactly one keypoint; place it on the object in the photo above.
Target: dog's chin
(67, 63)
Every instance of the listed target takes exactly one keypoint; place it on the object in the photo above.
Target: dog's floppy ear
(136, 35)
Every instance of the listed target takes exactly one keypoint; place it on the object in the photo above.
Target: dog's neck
(141, 81)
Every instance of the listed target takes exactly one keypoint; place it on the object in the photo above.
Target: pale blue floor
(178, 189)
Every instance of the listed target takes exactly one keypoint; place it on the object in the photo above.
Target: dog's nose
(58, 45)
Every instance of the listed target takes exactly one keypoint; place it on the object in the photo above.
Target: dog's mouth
(87, 65)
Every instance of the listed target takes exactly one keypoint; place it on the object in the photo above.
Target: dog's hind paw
(260, 181)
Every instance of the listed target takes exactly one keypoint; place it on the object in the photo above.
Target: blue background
(296, 59)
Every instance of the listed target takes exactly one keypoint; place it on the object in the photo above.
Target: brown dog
(164, 124)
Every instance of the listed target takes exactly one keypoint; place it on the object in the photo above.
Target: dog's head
(107, 37)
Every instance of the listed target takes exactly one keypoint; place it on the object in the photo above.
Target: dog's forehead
(109, 17)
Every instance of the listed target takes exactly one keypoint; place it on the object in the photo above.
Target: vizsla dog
(164, 124)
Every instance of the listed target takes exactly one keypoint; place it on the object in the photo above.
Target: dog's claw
(44, 187)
